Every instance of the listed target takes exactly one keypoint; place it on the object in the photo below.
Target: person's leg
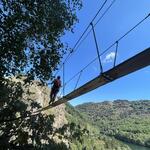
(51, 95)
(54, 95)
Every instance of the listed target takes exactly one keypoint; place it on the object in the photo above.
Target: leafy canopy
(30, 35)
(30, 44)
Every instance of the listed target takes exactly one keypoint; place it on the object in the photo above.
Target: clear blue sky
(121, 17)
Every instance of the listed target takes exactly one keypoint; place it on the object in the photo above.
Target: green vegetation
(31, 34)
(124, 120)
(79, 118)
(19, 129)
(38, 132)
(90, 138)
(30, 45)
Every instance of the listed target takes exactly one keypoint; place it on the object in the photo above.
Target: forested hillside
(91, 139)
(125, 120)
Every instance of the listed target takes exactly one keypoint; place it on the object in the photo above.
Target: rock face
(35, 91)
(60, 118)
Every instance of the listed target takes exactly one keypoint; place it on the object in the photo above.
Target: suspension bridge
(130, 65)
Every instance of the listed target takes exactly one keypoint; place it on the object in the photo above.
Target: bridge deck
(133, 64)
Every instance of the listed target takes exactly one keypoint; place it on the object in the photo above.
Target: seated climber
(55, 89)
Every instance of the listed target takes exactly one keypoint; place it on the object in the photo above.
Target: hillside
(59, 128)
(125, 120)
(92, 139)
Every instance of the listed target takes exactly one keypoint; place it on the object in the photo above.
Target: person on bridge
(55, 89)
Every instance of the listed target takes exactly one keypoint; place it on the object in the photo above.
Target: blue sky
(120, 18)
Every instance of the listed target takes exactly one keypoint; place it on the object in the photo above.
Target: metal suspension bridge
(130, 65)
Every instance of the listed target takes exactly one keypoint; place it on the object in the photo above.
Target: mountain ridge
(125, 120)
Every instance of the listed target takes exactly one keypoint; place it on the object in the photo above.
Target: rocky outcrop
(36, 91)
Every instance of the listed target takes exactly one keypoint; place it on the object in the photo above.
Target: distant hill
(92, 139)
(126, 120)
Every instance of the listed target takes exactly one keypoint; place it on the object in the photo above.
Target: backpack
(57, 83)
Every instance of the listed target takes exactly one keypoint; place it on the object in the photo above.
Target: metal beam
(133, 64)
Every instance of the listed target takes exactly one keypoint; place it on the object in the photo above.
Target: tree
(30, 44)
(31, 34)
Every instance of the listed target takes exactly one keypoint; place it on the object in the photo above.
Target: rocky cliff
(36, 91)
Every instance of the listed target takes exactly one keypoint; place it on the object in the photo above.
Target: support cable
(78, 41)
(78, 79)
(97, 48)
(116, 53)
(119, 39)
(80, 70)
(101, 17)
(108, 8)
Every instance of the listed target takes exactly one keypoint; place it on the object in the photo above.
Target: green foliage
(88, 136)
(30, 44)
(31, 34)
(19, 129)
(127, 121)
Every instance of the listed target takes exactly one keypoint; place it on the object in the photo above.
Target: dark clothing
(55, 89)
(56, 84)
